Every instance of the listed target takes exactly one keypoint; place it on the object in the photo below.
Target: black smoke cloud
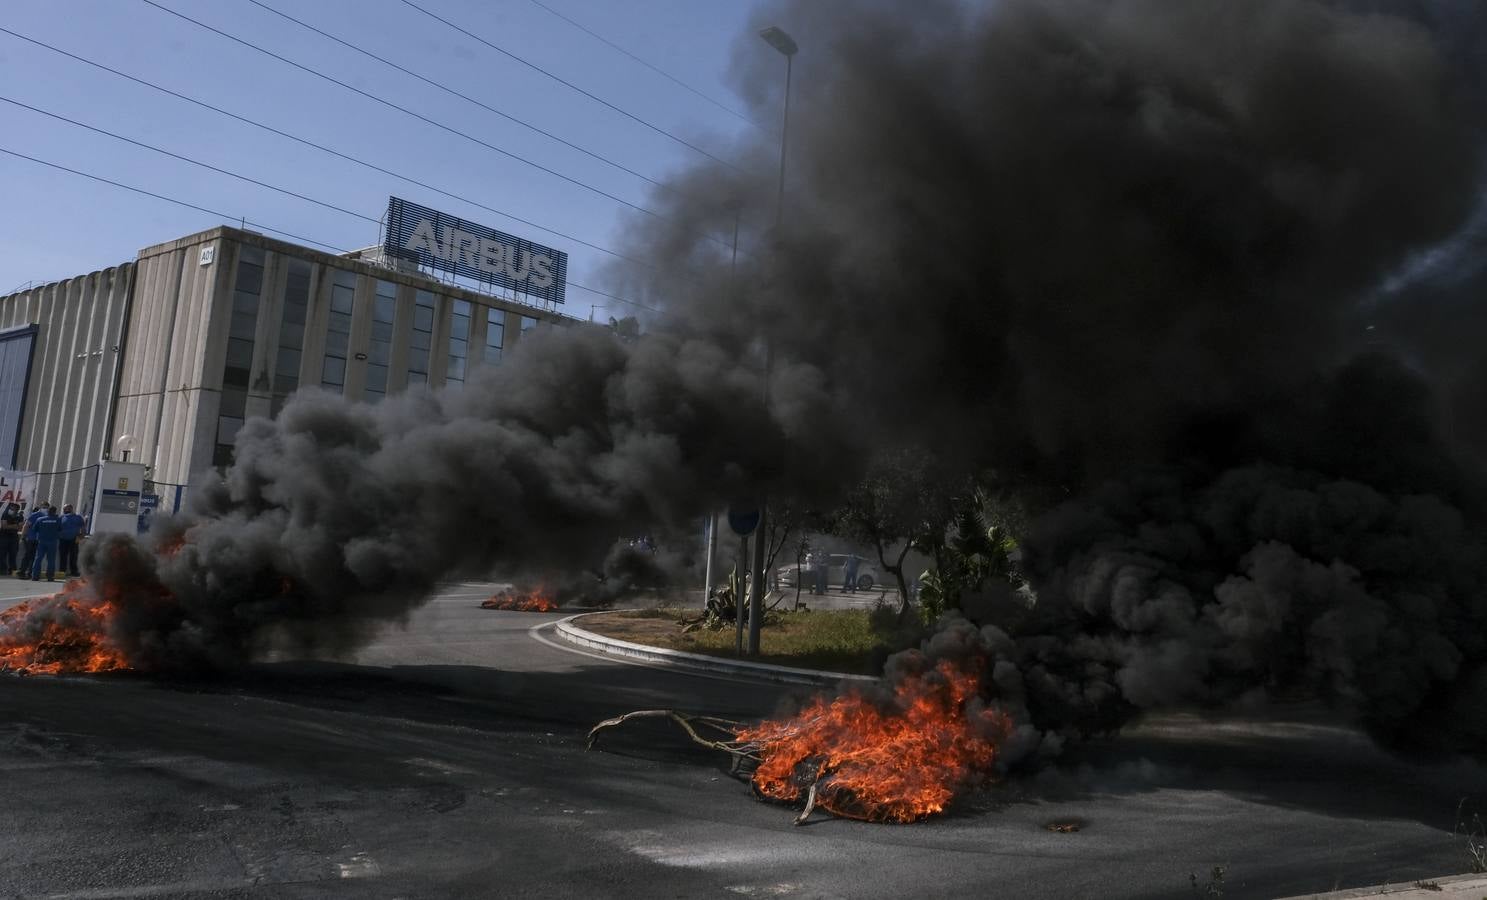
(337, 517)
(1126, 252)
(1170, 260)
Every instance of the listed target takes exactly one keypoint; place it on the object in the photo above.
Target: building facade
(166, 357)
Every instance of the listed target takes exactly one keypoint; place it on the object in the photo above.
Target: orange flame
(893, 763)
(531, 601)
(67, 632)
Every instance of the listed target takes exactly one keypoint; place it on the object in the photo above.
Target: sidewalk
(13, 590)
(1454, 887)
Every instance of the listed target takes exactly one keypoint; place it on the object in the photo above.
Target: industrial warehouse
(159, 361)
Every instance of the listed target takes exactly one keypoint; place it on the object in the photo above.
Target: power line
(138, 190)
(290, 235)
(195, 162)
(324, 149)
(568, 84)
(466, 97)
(616, 297)
(403, 109)
(657, 69)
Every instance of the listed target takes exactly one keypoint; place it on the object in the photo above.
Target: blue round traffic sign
(743, 519)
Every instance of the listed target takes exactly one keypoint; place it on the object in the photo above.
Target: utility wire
(138, 190)
(277, 231)
(324, 149)
(654, 68)
(466, 97)
(195, 162)
(568, 84)
(404, 110)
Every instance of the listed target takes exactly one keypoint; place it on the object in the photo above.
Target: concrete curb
(1464, 886)
(697, 662)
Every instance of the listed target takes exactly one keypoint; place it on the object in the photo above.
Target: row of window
(379, 351)
(288, 357)
(338, 331)
(291, 332)
(242, 330)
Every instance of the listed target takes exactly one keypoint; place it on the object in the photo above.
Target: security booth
(116, 505)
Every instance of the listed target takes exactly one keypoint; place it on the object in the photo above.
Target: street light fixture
(779, 40)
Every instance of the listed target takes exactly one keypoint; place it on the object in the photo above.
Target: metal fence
(79, 486)
(75, 486)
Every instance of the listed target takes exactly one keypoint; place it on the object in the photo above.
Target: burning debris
(535, 600)
(899, 757)
(893, 760)
(67, 632)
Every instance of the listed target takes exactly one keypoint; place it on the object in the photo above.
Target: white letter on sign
(492, 257)
(465, 249)
(517, 264)
(542, 270)
(423, 239)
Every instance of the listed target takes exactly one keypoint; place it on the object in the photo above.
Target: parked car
(836, 573)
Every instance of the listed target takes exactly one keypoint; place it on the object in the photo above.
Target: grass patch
(831, 640)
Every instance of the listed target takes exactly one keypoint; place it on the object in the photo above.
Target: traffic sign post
(758, 582)
(738, 594)
(743, 518)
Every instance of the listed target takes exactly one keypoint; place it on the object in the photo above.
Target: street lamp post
(779, 40)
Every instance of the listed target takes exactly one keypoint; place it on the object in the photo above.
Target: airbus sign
(445, 243)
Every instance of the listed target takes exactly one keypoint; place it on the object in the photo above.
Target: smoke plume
(1203, 268)
(1206, 269)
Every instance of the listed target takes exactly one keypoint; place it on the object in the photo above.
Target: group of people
(43, 534)
(817, 572)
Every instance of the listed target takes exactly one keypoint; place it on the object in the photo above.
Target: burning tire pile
(521, 601)
(62, 634)
(899, 756)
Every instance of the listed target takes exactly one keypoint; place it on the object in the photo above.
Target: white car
(836, 574)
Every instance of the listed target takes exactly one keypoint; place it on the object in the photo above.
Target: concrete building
(174, 351)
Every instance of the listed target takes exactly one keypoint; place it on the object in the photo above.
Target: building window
(291, 332)
(237, 370)
(230, 417)
(379, 351)
(422, 338)
(244, 323)
(338, 331)
(459, 342)
(528, 323)
(495, 334)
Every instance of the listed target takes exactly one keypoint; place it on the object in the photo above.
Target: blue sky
(58, 225)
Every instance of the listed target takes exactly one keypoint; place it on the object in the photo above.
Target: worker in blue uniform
(46, 529)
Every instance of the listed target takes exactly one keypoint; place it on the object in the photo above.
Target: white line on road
(535, 630)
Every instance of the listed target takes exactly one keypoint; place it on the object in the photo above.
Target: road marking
(362, 865)
(441, 767)
(535, 630)
(155, 890)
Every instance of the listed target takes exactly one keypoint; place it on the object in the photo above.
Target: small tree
(900, 504)
(784, 519)
(976, 548)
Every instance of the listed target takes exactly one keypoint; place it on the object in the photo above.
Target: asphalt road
(447, 760)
